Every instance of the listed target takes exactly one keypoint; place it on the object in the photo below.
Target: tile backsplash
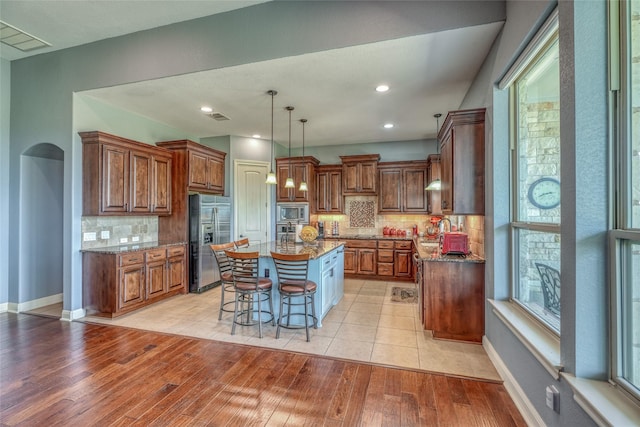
(135, 229)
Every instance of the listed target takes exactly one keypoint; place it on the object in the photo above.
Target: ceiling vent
(218, 116)
(20, 40)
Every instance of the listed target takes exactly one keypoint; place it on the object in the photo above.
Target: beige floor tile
(348, 349)
(397, 322)
(362, 307)
(328, 328)
(316, 345)
(361, 318)
(335, 316)
(398, 309)
(369, 299)
(396, 337)
(392, 355)
(358, 333)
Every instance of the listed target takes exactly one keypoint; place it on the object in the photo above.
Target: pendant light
(289, 182)
(436, 184)
(271, 176)
(303, 184)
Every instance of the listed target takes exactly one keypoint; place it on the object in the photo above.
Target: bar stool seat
(226, 277)
(251, 291)
(296, 290)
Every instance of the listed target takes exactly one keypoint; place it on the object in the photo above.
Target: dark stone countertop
(131, 247)
(316, 250)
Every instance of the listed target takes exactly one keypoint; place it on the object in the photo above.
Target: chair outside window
(550, 278)
(226, 278)
(295, 291)
(251, 291)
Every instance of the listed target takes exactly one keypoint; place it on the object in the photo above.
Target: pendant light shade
(271, 176)
(436, 184)
(289, 182)
(303, 184)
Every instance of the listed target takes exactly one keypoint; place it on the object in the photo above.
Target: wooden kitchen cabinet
(329, 189)
(360, 174)
(462, 162)
(302, 168)
(360, 257)
(117, 283)
(124, 177)
(453, 299)
(434, 204)
(402, 260)
(401, 187)
(385, 257)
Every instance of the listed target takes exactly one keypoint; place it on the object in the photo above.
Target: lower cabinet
(453, 300)
(382, 258)
(117, 283)
(332, 282)
(360, 257)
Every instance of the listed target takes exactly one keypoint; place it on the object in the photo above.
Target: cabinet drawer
(385, 255)
(156, 254)
(131, 258)
(385, 269)
(175, 251)
(385, 244)
(403, 244)
(362, 244)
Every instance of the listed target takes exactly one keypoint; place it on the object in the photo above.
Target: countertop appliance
(455, 243)
(209, 223)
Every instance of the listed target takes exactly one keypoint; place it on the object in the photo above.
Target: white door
(253, 204)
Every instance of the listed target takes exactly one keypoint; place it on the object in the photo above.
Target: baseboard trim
(522, 402)
(4, 307)
(71, 315)
(37, 303)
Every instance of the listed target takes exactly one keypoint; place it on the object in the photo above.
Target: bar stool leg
(306, 316)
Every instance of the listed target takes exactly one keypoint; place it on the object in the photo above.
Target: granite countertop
(320, 248)
(368, 237)
(429, 250)
(131, 247)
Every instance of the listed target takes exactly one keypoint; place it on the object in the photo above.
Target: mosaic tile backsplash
(362, 213)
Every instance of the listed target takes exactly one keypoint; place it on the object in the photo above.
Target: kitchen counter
(316, 250)
(131, 247)
(428, 250)
(367, 237)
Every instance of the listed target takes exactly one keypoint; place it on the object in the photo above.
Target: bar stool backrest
(242, 243)
(292, 269)
(224, 264)
(244, 267)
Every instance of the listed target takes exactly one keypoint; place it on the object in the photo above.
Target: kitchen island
(326, 269)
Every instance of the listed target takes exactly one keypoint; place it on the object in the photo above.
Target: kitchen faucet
(442, 222)
(285, 235)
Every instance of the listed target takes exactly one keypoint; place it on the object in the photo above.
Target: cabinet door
(414, 198)
(176, 273)
(323, 203)
(367, 261)
(434, 204)
(350, 260)
(390, 195)
(446, 169)
(131, 286)
(198, 168)
(335, 192)
(215, 170)
(140, 182)
(115, 179)
(300, 173)
(368, 176)
(402, 264)
(161, 189)
(283, 194)
(350, 180)
(156, 279)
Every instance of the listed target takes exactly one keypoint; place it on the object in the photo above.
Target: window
(625, 238)
(535, 118)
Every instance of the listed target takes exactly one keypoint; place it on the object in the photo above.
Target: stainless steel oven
(294, 213)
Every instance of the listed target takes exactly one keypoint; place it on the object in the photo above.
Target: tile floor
(365, 326)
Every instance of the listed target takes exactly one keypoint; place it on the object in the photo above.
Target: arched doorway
(41, 224)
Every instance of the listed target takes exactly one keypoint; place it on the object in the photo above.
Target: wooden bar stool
(242, 243)
(294, 286)
(226, 278)
(251, 291)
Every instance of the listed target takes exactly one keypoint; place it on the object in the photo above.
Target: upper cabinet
(360, 174)
(124, 177)
(329, 189)
(434, 206)
(204, 166)
(462, 162)
(302, 169)
(402, 187)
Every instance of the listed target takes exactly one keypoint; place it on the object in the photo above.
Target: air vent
(218, 116)
(14, 37)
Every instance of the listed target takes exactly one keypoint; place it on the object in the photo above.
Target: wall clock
(544, 193)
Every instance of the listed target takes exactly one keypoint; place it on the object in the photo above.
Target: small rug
(404, 294)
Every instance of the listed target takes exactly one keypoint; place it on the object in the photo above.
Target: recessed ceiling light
(255, 135)
(382, 88)
(206, 109)
(388, 125)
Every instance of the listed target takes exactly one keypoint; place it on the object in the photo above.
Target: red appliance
(455, 243)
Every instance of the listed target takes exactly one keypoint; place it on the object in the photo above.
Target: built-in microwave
(296, 213)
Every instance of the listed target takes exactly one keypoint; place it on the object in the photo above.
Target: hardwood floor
(61, 373)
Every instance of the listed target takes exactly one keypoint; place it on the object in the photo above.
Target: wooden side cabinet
(462, 162)
(302, 168)
(360, 174)
(329, 189)
(402, 187)
(124, 177)
(117, 283)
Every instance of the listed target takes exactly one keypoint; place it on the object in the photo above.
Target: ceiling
(334, 90)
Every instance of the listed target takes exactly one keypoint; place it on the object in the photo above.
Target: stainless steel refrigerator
(209, 223)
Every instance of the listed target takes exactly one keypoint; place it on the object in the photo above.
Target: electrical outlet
(135, 239)
(124, 239)
(553, 398)
(89, 237)
(104, 234)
